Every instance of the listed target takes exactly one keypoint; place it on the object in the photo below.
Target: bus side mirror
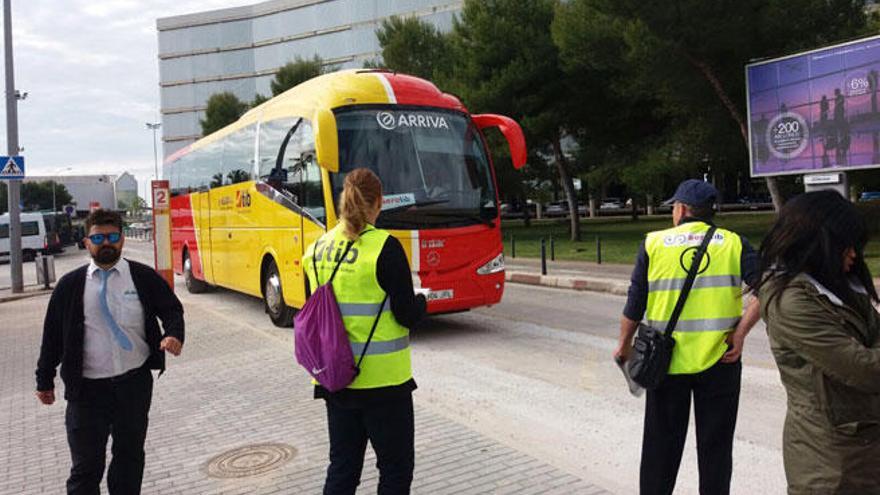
(512, 132)
(326, 139)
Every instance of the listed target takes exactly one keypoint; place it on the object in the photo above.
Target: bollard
(45, 272)
(512, 247)
(552, 249)
(543, 256)
(599, 250)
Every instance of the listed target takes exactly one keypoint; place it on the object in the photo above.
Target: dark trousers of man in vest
(389, 426)
(119, 407)
(667, 412)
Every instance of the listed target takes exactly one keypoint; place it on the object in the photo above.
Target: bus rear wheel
(273, 298)
(193, 285)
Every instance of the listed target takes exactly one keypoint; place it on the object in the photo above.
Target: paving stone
(237, 385)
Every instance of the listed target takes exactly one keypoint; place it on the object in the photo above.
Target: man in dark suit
(101, 326)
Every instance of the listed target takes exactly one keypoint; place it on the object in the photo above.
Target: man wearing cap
(709, 340)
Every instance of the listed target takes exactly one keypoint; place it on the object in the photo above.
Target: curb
(609, 286)
(25, 295)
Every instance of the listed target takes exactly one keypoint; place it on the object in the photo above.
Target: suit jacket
(64, 327)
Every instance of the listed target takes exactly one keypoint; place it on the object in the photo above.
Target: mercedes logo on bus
(386, 120)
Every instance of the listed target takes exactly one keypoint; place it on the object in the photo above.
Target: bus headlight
(494, 265)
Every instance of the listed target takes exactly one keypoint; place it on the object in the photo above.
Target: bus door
(314, 217)
(202, 207)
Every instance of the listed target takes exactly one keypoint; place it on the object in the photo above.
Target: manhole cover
(249, 460)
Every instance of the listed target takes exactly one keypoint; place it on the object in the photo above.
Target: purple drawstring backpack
(321, 342)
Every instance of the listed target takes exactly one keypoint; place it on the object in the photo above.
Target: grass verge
(620, 236)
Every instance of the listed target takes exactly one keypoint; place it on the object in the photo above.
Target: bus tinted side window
(208, 165)
(238, 155)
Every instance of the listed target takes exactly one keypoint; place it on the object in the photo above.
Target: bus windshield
(432, 164)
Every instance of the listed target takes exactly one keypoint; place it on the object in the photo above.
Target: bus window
(207, 170)
(238, 155)
(288, 164)
(312, 191)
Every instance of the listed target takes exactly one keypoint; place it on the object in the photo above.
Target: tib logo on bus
(242, 199)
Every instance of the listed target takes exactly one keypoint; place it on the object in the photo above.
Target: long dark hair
(813, 232)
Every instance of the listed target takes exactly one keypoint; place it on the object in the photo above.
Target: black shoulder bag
(652, 349)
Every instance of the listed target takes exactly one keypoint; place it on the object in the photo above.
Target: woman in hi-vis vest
(373, 286)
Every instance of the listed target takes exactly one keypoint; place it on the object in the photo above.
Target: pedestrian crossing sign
(11, 167)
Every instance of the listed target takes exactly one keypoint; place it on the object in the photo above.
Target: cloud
(91, 71)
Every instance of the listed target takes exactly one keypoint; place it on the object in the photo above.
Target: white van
(33, 236)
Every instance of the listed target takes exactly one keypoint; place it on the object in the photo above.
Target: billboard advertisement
(816, 111)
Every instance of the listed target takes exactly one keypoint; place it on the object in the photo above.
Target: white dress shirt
(102, 355)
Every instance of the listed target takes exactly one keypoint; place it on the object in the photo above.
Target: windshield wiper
(417, 204)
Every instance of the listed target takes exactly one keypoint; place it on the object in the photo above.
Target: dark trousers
(111, 406)
(390, 429)
(667, 411)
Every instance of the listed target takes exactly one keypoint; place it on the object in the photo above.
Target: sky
(91, 72)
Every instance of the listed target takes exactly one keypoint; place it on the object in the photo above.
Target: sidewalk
(577, 275)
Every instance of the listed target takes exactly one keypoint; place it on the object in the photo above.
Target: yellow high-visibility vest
(359, 296)
(714, 305)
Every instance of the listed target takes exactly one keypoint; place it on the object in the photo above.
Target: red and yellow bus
(248, 199)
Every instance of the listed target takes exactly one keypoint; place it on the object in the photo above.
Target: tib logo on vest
(332, 252)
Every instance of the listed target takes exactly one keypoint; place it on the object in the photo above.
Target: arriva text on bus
(389, 121)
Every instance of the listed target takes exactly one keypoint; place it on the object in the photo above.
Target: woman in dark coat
(817, 299)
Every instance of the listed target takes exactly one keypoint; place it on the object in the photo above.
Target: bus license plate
(437, 295)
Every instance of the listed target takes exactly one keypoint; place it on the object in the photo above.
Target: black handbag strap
(372, 331)
(689, 281)
(338, 262)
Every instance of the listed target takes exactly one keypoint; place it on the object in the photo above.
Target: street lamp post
(154, 126)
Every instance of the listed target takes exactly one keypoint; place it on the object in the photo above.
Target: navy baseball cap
(695, 192)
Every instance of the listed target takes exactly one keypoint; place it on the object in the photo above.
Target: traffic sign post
(15, 271)
(162, 230)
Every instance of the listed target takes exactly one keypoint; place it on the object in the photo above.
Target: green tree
(222, 109)
(412, 46)
(505, 61)
(37, 196)
(690, 56)
(259, 100)
(617, 129)
(294, 73)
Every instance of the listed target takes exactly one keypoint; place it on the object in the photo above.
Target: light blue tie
(121, 338)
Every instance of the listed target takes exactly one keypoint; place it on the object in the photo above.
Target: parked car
(556, 209)
(516, 210)
(611, 204)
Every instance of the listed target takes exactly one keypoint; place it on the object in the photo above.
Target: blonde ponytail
(360, 192)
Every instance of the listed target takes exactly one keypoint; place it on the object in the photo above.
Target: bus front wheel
(193, 285)
(273, 297)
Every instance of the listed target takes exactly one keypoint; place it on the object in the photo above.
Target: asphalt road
(535, 373)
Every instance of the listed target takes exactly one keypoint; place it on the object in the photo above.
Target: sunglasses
(113, 237)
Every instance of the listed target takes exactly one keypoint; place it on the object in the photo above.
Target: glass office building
(240, 49)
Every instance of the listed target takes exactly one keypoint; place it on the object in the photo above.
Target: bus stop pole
(162, 230)
(14, 186)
